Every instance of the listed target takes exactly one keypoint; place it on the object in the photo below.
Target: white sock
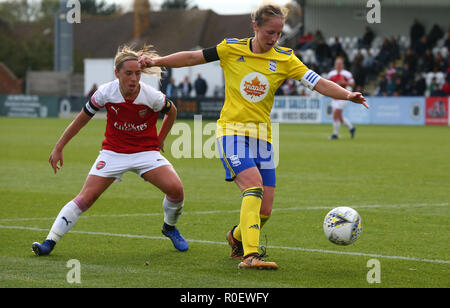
(66, 219)
(348, 123)
(172, 211)
(336, 126)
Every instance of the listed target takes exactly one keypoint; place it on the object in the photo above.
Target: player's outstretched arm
(57, 154)
(179, 59)
(331, 89)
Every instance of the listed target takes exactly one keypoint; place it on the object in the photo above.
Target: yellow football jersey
(251, 81)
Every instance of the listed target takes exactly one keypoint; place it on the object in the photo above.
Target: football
(342, 225)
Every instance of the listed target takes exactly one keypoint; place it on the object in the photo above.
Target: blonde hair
(127, 53)
(266, 10)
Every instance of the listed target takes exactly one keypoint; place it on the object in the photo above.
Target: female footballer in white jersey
(131, 143)
(254, 69)
(345, 79)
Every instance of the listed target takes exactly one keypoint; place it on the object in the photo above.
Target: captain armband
(310, 79)
(167, 106)
(90, 109)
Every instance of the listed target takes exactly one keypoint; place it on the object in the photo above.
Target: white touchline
(360, 254)
(369, 206)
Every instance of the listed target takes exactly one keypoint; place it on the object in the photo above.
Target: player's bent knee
(175, 194)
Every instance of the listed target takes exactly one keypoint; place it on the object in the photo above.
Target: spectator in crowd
(416, 32)
(318, 36)
(382, 86)
(420, 86)
(435, 34)
(366, 40)
(411, 59)
(387, 52)
(370, 68)
(446, 85)
(399, 89)
(305, 41)
(435, 90)
(358, 70)
(421, 46)
(185, 87)
(426, 62)
(447, 41)
(390, 72)
(171, 90)
(440, 64)
(200, 86)
(336, 49)
(431, 86)
(391, 86)
(323, 54)
(407, 74)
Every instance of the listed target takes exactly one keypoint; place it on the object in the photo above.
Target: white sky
(222, 7)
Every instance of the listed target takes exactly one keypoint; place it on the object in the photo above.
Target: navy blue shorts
(239, 153)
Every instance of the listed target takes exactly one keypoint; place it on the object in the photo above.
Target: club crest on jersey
(142, 113)
(273, 66)
(100, 165)
(254, 87)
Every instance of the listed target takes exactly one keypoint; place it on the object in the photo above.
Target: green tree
(175, 4)
(98, 7)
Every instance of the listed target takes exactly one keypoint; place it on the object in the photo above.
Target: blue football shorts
(239, 153)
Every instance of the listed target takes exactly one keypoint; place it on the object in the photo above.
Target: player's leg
(250, 183)
(93, 187)
(337, 120)
(264, 214)
(168, 181)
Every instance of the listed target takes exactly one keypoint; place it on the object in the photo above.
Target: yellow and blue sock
(250, 219)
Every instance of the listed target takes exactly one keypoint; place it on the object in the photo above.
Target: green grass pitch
(396, 177)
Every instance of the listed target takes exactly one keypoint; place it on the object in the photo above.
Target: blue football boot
(352, 132)
(43, 249)
(177, 240)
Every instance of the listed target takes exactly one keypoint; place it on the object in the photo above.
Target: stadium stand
(387, 66)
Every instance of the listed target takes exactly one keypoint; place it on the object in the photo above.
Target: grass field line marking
(360, 254)
(374, 206)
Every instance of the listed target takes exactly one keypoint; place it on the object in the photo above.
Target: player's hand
(358, 98)
(145, 61)
(55, 157)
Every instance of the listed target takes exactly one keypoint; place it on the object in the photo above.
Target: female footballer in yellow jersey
(254, 69)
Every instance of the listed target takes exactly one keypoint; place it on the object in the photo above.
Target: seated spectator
(407, 74)
(323, 54)
(435, 34)
(390, 73)
(421, 46)
(440, 64)
(433, 83)
(446, 86)
(366, 40)
(427, 62)
(358, 70)
(395, 48)
(420, 86)
(391, 87)
(305, 41)
(411, 59)
(336, 49)
(382, 86)
(436, 91)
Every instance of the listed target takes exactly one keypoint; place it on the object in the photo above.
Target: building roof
(170, 31)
